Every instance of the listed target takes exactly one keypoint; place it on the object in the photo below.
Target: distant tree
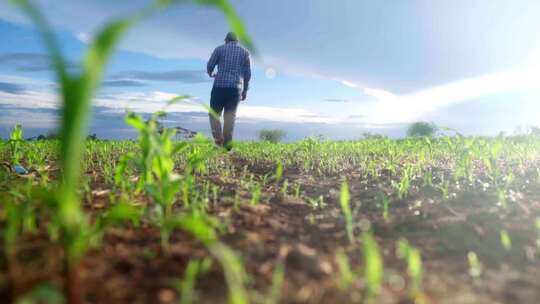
(422, 129)
(273, 136)
(52, 136)
(369, 135)
(92, 137)
(535, 131)
(447, 131)
(317, 138)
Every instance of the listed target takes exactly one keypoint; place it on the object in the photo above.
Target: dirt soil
(130, 266)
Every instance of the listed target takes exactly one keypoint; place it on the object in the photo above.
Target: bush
(369, 135)
(273, 136)
(535, 131)
(422, 129)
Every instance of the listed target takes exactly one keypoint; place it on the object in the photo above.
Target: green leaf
(278, 276)
(414, 264)
(178, 99)
(346, 275)
(197, 224)
(135, 121)
(475, 266)
(506, 241)
(235, 274)
(211, 112)
(102, 48)
(16, 134)
(121, 213)
(373, 263)
(346, 209)
(43, 293)
(180, 147)
(279, 171)
(120, 169)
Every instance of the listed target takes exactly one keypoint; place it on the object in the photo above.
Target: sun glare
(270, 73)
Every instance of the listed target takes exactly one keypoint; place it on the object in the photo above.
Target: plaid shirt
(234, 66)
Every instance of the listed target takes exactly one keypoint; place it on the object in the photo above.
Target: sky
(332, 68)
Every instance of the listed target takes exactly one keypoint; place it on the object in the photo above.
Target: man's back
(234, 65)
(230, 86)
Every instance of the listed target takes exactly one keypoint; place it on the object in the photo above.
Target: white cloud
(348, 84)
(389, 109)
(156, 101)
(150, 102)
(37, 96)
(407, 108)
(26, 81)
(292, 115)
(142, 102)
(28, 118)
(379, 94)
(29, 100)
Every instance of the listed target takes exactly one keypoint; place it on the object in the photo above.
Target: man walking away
(230, 86)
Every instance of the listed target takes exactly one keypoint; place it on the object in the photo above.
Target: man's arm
(246, 75)
(212, 62)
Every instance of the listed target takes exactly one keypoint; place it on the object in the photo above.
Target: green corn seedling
(346, 275)
(203, 228)
(235, 275)
(386, 207)
(77, 90)
(255, 194)
(444, 188)
(215, 193)
(475, 267)
(157, 166)
(43, 293)
(194, 269)
(15, 140)
(120, 179)
(404, 184)
(279, 171)
(236, 200)
(506, 241)
(373, 265)
(321, 202)
(297, 191)
(278, 277)
(501, 196)
(344, 199)
(414, 266)
(314, 203)
(428, 178)
(285, 187)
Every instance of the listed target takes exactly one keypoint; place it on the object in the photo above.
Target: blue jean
(224, 100)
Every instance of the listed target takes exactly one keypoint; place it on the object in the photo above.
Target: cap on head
(231, 36)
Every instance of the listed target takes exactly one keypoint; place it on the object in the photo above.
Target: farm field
(424, 219)
(417, 220)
